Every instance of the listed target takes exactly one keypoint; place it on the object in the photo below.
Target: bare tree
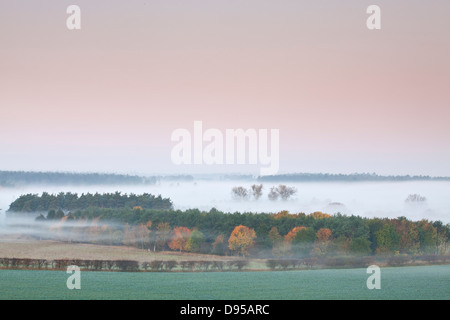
(240, 193)
(162, 235)
(415, 198)
(286, 192)
(273, 194)
(257, 191)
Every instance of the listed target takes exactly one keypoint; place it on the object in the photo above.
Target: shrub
(310, 262)
(156, 265)
(230, 264)
(62, 263)
(170, 264)
(127, 265)
(183, 265)
(41, 263)
(219, 265)
(430, 258)
(284, 263)
(398, 260)
(240, 264)
(272, 264)
(109, 264)
(97, 265)
(205, 264)
(191, 264)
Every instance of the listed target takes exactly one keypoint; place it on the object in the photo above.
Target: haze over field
(367, 199)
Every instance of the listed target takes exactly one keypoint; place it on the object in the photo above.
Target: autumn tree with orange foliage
(242, 239)
(180, 238)
(319, 215)
(280, 215)
(291, 234)
(299, 240)
(287, 241)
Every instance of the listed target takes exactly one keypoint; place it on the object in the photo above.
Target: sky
(107, 97)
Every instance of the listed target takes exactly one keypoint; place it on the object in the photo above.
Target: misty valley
(287, 224)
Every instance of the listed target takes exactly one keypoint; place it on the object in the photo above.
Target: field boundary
(219, 265)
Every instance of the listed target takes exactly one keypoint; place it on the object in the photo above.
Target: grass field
(419, 282)
(47, 249)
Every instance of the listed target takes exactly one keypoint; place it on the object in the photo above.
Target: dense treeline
(355, 177)
(259, 235)
(19, 178)
(72, 201)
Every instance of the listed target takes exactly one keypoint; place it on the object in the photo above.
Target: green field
(421, 282)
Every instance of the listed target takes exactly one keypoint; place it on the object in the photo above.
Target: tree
(427, 236)
(40, 218)
(409, 235)
(195, 241)
(218, 246)
(303, 241)
(359, 246)
(240, 193)
(274, 235)
(142, 232)
(319, 215)
(180, 238)
(273, 194)
(291, 234)
(323, 237)
(128, 236)
(286, 192)
(257, 191)
(415, 198)
(242, 239)
(51, 214)
(277, 241)
(443, 236)
(59, 214)
(387, 239)
(161, 235)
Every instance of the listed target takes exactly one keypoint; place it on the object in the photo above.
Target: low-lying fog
(367, 199)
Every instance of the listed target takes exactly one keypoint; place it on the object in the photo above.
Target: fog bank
(367, 199)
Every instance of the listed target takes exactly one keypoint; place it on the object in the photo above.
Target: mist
(25, 226)
(366, 199)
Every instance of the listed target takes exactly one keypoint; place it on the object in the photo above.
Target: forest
(355, 177)
(72, 201)
(19, 178)
(151, 223)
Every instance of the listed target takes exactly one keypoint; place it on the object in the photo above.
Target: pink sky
(108, 96)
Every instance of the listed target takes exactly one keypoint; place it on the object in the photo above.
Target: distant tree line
(19, 178)
(72, 201)
(355, 177)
